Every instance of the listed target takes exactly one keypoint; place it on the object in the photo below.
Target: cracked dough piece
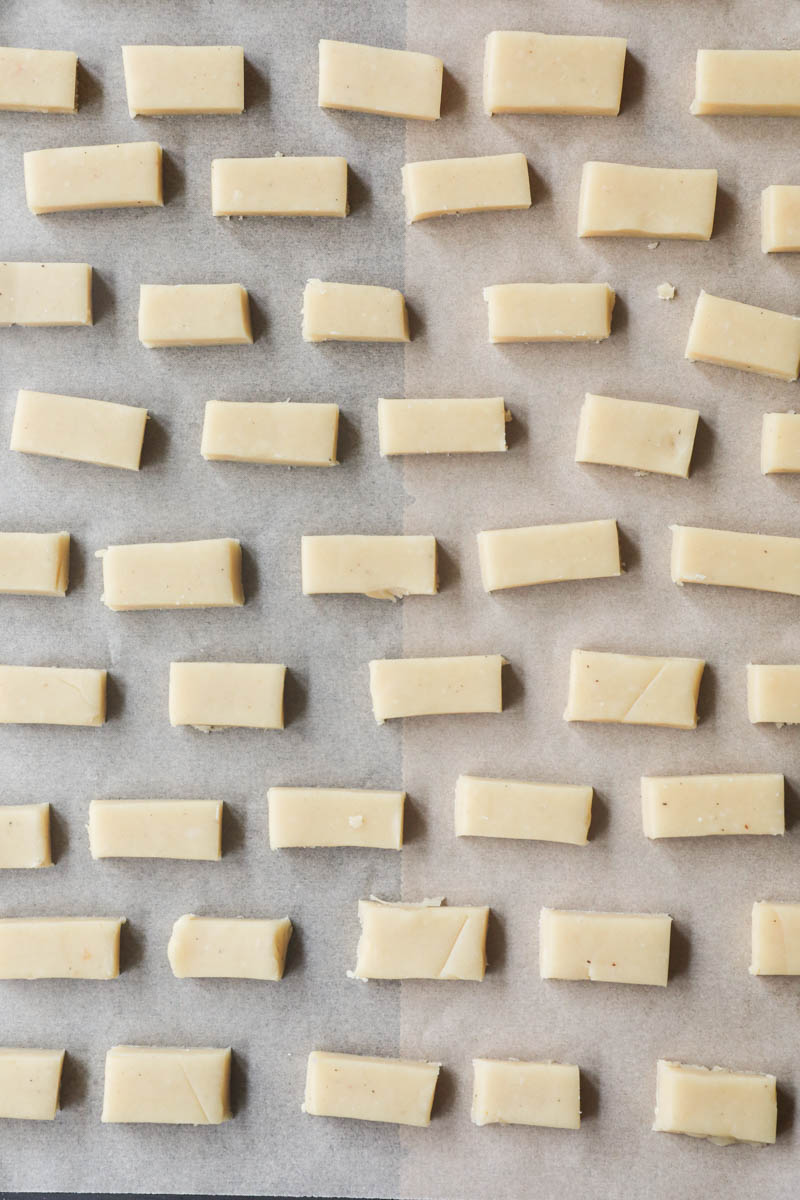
(52, 696)
(775, 938)
(549, 312)
(228, 947)
(637, 435)
(780, 444)
(773, 694)
(189, 829)
(510, 1092)
(40, 81)
(604, 947)
(512, 558)
(164, 80)
(45, 293)
(384, 567)
(722, 1105)
(167, 1085)
(34, 564)
(279, 187)
(509, 808)
(25, 836)
(389, 83)
(127, 175)
(633, 689)
(212, 695)
(334, 817)
(397, 1090)
(421, 941)
(780, 218)
(206, 574)
(418, 687)
(194, 314)
(730, 334)
(552, 73)
(751, 83)
(59, 947)
(679, 806)
(30, 1080)
(441, 426)
(722, 558)
(445, 186)
(353, 312)
(291, 435)
(617, 200)
(73, 427)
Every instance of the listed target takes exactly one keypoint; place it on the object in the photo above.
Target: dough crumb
(355, 822)
(665, 291)
(652, 245)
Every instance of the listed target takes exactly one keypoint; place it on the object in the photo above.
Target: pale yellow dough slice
(723, 558)
(370, 79)
(228, 947)
(552, 73)
(30, 1080)
(214, 695)
(77, 428)
(716, 1103)
(421, 941)
(127, 175)
(33, 293)
(617, 200)
(775, 928)
(604, 947)
(205, 574)
(59, 947)
(384, 567)
(752, 83)
(549, 312)
(780, 218)
(167, 1085)
(280, 186)
(780, 444)
(34, 564)
(40, 81)
(417, 687)
(474, 425)
(633, 689)
(773, 693)
(353, 312)
(194, 314)
(730, 334)
(166, 80)
(510, 808)
(395, 1090)
(510, 1092)
(25, 836)
(680, 806)
(512, 558)
(291, 435)
(52, 696)
(637, 435)
(183, 829)
(312, 817)
(445, 186)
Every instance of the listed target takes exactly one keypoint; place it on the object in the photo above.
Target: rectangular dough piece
(383, 567)
(637, 435)
(780, 444)
(30, 1080)
(283, 186)
(73, 178)
(388, 83)
(618, 200)
(25, 835)
(680, 806)
(420, 687)
(83, 430)
(167, 1085)
(475, 425)
(228, 947)
(634, 689)
(353, 312)
(289, 435)
(395, 1090)
(59, 947)
(722, 1105)
(723, 558)
(38, 81)
(205, 574)
(311, 817)
(214, 695)
(511, 558)
(45, 293)
(167, 80)
(510, 1092)
(730, 334)
(428, 940)
(775, 938)
(509, 808)
(183, 829)
(549, 312)
(604, 947)
(194, 314)
(773, 694)
(34, 564)
(52, 696)
(751, 83)
(552, 73)
(780, 218)
(447, 186)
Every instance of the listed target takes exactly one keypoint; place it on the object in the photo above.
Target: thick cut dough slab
(389, 83)
(722, 558)
(418, 687)
(279, 187)
(25, 835)
(780, 444)
(40, 294)
(421, 941)
(780, 218)
(395, 1090)
(353, 312)
(290, 435)
(334, 817)
(445, 186)
(41, 81)
(509, 808)
(74, 427)
(679, 806)
(549, 312)
(730, 334)
(194, 314)
(716, 1103)
(34, 564)
(206, 574)
(552, 73)
(633, 689)
(384, 567)
(617, 200)
(228, 947)
(637, 435)
(52, 696)
(512, 558)
(30, 1080)
(442, 426)
(59, 947)
(167, 1085)
(773, 693)
(775, 938)
(188, 829)
(212, 695)
(166, 80)
(751, 83)
(510, 1092)
(604, 947)
(127, 175)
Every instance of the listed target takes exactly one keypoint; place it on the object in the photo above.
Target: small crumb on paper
(665, 291)
(652, 245)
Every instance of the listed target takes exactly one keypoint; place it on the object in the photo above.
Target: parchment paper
(712, 1011)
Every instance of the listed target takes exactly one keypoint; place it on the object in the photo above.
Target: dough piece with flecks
(384, 567)
(59, 947)
(677, 806)
(164, 80)
(301, 816)
(388, 83)
(40, 81)
(775, 938)
(41, 294)
(25, 835)
(731, 334)
(167, 1085)
(188, 829)
(30, 1081)
(633, 689)
(510, 1092)
(549, 312)
(428, 940)
(509, 808)
(552, 73)
(716, 1103)
(395, 1090)
(228, 947)
(417, 687)
(723, 558)
(637, 435)
(34, 564)
(604, 947)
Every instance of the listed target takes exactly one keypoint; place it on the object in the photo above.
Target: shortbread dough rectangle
(512, 558)
(167, 80)
(214, 695)
(167, 1085)
(679, 806)
(126, 175)
(780, 218)
(34, 564)
(552, 73)
(421, 941)
(228, 947)
(52, 696)
(773, 693)
(618, 200)
(281, 186)
(775, 938)
(510, 1092)
(443, 186)
(637, 435)
(39, 81)
(395, 1090)
(751, 83)
(33, 293)
(309, 817)
(510, 808)
(59, 947)
(77, 428)
(353, 312)
(634, 689)
(30, 1081)
(288, 434)
(417, 687)
(188, 829)
(723, 558)
(475, 425)
(194, 314)
(549, 312)
(384, 567)
(780, 444)
(25, 836)
(205, 574)
(716, 1103)
(370, 79)
(604, 947)
(731, 334)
